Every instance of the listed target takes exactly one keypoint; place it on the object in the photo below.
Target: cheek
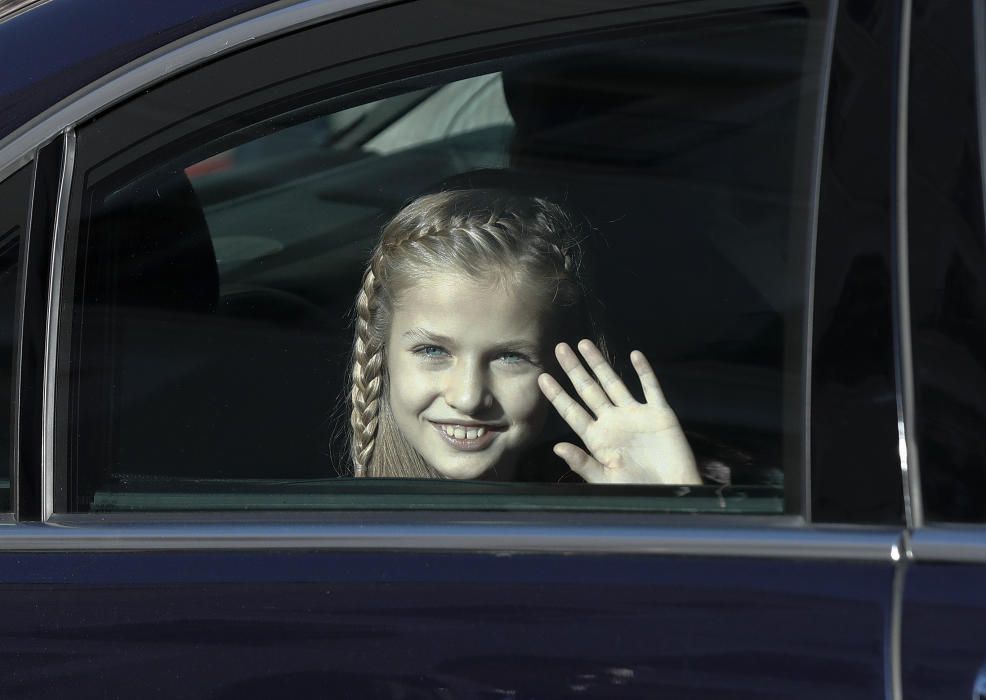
(410, 388)
(521, 399)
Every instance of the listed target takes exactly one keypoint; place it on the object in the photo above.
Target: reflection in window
(217, 294)
(14, 196)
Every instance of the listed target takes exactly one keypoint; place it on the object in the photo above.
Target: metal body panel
(432, 626)
(92, 40)
(944, 615)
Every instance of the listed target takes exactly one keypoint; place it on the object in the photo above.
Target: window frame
(356, 81)
(195, 53)
(29, 173)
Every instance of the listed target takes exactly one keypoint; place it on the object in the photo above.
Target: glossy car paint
(92, 40)
(440, 625)
(378, 623)
(943, 649)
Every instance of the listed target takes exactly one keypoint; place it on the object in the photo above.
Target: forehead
(458, 305)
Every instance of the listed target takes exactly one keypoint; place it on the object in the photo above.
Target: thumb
(579, 461)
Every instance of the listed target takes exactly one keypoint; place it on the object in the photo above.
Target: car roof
(11, 7)
(52, 49)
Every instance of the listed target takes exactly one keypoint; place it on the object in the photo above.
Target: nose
(467, 390)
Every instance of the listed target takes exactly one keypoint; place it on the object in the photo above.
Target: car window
(14, 203)
(947, 234)
(217, 283)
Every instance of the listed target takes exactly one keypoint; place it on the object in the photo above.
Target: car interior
(215, 330)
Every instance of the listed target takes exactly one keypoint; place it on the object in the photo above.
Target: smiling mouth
(468, 438)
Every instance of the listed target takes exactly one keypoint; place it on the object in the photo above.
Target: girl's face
(463, 359)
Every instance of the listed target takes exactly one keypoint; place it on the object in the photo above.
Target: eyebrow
(426, 336)
(521, 346)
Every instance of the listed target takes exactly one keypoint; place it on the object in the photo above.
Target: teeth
(460, 432)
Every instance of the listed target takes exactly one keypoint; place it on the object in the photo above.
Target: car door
(186, 523)
(944, 607)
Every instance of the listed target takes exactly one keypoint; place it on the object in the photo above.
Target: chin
(486, 470)
(468, 466)
(463, 471)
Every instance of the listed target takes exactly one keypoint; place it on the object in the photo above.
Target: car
(780, 202)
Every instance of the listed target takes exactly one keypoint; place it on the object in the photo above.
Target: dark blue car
(783, 201)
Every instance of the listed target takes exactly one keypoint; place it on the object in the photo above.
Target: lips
(467, 437)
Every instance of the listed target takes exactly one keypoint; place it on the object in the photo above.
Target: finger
(586, 387)
(648, 380)
(609, 380)
(578, 418)
(579, 461)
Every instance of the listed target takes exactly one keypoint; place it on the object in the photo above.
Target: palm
(628, 442)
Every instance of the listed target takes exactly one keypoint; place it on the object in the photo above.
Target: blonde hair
(479, 232)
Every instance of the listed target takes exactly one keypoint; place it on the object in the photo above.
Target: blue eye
(433, 352)
(512, 358)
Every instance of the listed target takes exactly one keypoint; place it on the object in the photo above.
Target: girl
(457, 320)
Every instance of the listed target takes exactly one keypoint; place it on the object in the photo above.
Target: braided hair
(482, 233)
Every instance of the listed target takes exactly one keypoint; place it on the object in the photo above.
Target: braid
(366, 373)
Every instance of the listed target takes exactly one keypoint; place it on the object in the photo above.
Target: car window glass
(214, 288)
(946, 237)
(14, 202)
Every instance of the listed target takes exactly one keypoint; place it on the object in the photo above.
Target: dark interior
(228, 359)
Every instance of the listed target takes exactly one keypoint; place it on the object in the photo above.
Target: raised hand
(629, 442)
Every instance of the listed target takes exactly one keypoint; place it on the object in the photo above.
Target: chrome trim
(828, 49)
(51, 327)
(894, 676)
(359, 531)
(223, 37)
(906, 446)
(956, 544)
(11, 8)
